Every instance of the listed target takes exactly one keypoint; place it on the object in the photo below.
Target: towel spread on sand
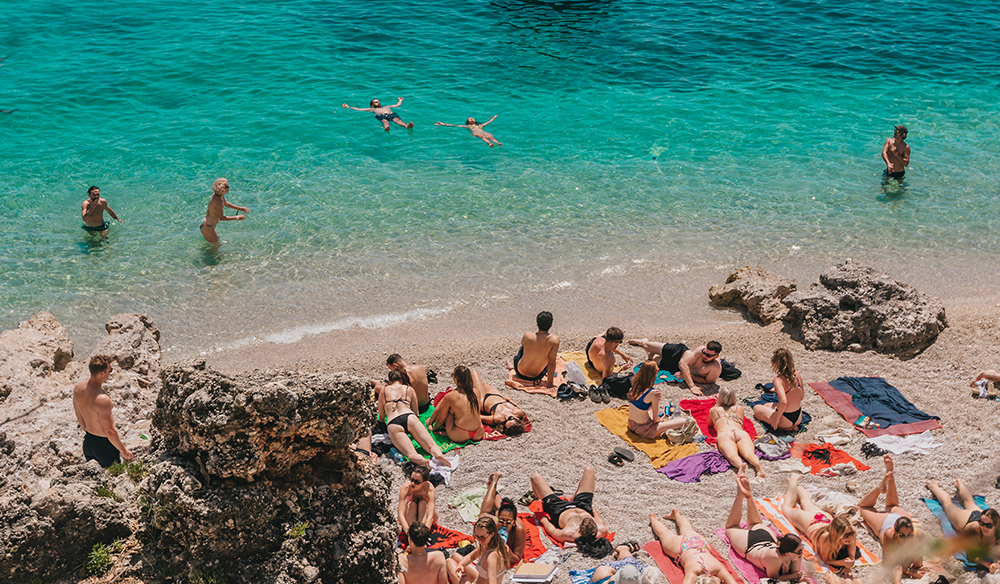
(750, 572)
(534, 547)
(814, 456)
(585, 576)
(580, 358)
(690, 468)
(673, 572)
(912, 444)
(853, 397)
(660, 451)
(699, 411)
(771, 508)
(661, 375)
(947, 528)
(468, 503)
(514, 381)
(489, 432)
(536, 508)
(772, 398)
(441, 538)
(443, 441)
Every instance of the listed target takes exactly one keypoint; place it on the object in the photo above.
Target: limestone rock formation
(38, 347)
(853, 304)
(134, 342)
(260, 422)
(758, 289)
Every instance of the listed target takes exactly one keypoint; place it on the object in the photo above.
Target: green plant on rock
(298, 530)
(137, 470)
(116, 469)
(102, 557)
(107, 491)
(213, 576)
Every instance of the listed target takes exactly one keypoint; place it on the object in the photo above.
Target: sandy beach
(566, 436)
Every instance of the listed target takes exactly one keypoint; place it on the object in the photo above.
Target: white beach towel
(912, 444)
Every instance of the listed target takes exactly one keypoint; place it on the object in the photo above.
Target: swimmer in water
(477, 130)
(383, 113)
(216, 206)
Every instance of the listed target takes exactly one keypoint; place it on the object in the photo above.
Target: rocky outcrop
(759, 290)
(859, 308)
(38, 347)
(134, 342)
(258, 479)
(49, 533)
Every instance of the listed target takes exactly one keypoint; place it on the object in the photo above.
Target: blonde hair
(217, 185)
(726, 398)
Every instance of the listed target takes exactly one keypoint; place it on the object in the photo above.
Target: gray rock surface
(857, 307)
(134, 342)
(38, 347)
(758, 289)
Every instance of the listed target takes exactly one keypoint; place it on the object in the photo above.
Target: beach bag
(575, 373)
(772, 447)
(618, 384)
(729, 371)
(685, 433)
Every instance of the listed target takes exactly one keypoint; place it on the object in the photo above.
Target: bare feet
(931, 485)
(409, 126)
(494, 477)
(743, 483)
(888, 463)
(509, 365)
(672, 515)
(444, 461)
(638, 342)
(793, 479)
(884, 487)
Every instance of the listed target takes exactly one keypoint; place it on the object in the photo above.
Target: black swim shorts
(554, 506)
(100, 449)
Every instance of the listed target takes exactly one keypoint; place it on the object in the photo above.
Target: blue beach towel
(772, 398)
(881, 402)
(948, 530)
(585, 576)
(661, 376)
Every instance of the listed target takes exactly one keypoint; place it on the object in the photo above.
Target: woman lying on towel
(397, 403)
(626, 568)
(690, 550)
(458, 410)
(779, 558)
(498, 410)
(833, 538)
(982, 527)
(894, 527)
(644, 405)
(788, 385)
(733, 441)
(491, 553)
(504, 511)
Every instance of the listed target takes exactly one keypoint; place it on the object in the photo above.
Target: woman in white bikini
(491, 553)
(894, 527)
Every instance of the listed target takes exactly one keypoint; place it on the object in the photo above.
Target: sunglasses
(709, 355)
(986, 525)
(798, 552)
(416, 481)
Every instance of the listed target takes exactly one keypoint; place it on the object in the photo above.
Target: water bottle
(503, 533)
(397, 455)
(675, 403)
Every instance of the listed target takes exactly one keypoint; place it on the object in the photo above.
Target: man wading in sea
(93, 213)
(896, 154)
(93, 412)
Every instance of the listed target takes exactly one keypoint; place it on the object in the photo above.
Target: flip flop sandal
(624, 453)
(526, 499)
(616, 460)
(632, 546)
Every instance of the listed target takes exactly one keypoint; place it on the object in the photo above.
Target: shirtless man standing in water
(93, 412)
(896, 154)
(536, 359)
(216, 206)
(93, 213)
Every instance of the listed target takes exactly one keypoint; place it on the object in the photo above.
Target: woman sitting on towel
(396, 404)
(980, 526)
(458, 410)
(834, 539)
(644, 405)
(491, 553)
(689, 549)
(787, 413)
(779, 558)
(734, 442)
(504, 511)
(894, 527)
(497, 409)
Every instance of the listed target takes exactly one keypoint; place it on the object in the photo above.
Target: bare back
(216, 206)
(539, 351)
(425, 567)
(89, 404)
(397, 399)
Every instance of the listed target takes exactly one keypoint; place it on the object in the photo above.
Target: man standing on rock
(417, 374)
(699, 366)
(93, 412)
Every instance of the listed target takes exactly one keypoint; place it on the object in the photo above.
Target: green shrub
(137, 470)
(102, 557)
(213, 576)
(116, 469)
(298, 530)
(106, 491)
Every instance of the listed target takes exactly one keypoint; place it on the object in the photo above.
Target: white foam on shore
(377, 321)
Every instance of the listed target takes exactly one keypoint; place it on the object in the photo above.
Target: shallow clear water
(637, 136)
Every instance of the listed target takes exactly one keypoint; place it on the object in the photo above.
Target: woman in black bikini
(396, 404)
(787, 413)
(780, 558)
(981, 526)
(497, 409)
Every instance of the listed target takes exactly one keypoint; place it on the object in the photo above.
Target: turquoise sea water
(637, 136)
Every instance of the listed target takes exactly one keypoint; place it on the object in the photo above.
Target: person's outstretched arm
(107, 208)
(451, 125)
(224, 202)
(358, 109)
(398, 103)
(488, 121)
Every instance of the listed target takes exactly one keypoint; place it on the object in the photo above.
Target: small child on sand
(476, 129)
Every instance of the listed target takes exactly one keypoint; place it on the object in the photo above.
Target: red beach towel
(673, 572)
(536, 508)
(533, 544)
(698, 408)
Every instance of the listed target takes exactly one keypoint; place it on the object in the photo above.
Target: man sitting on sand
(601, 351)
(477, 130)
(420, 565)
(416, 374)
(536, 359)
(569, 520)
(417, 499)
(93, 213)
(93, 412)
(383, 113)
(698, 366)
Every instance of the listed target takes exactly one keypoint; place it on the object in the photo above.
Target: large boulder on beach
(133, 341)
(263, 422)
(857, 307)
(758, 289)
(38, 347)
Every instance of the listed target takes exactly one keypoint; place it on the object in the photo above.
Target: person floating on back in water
(536, 359)
(216, 210)
(93, 213)
(477, 130)
(896, 154)
(93, 411)
(383, 113)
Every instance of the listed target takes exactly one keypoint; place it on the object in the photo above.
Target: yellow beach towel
(580, 358)
(660, 451)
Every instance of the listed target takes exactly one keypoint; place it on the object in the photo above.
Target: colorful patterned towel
(514, 381)
(660, 451)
